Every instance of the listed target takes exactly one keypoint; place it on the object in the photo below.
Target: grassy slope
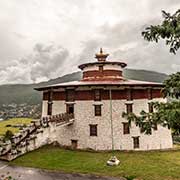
(144, 165)
(12, 121)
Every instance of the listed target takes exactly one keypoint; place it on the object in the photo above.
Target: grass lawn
(153, 165)
(12, 121)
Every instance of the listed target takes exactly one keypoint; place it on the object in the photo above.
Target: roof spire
(101, 56)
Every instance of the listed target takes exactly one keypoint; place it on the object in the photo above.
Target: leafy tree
(169, 30)
(166, 114)
(8, 135)
(172, 86)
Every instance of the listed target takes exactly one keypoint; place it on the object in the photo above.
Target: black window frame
(129, 94)
(150, 107)
(136, 142)
(68, 106)
(155, 127)
(129, 108)
(126, 128)
(93, 130)
(101, 68)
(97, 95)
(49, 108)
(97, 110)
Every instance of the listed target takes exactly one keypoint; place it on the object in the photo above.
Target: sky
(45, 39)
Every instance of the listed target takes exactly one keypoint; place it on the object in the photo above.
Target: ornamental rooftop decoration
(102, 72)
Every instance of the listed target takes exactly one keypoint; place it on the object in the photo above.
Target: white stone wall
(84, 115)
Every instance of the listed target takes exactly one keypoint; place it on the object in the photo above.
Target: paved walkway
(21, 173)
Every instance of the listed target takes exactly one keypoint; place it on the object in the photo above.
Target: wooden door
(74, 144)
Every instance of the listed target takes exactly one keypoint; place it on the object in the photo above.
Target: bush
(176, 139)
(130, 177)
(8, 135)
(6, 176)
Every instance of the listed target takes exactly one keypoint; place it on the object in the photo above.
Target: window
(97, 109)
(155, 127)
(129, 94)
(93, 129)
(129, 108)
(101, 68)
(150, 107)
(74, 144)
(50, 95)
(97, 95)
(136, 142)
(70, 95)
(49, 110)
(141, 129)
(126, 129)
(150, 94)
(70, 108)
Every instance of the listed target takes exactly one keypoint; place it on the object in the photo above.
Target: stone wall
(38, 133)
(84, 116)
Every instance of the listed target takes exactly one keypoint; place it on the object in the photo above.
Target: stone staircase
(35, 135)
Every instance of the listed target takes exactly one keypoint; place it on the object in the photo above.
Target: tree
(8, 135)
(165, 114)
(169, 30)
(172, 86)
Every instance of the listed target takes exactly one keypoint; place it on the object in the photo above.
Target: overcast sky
(44, 39)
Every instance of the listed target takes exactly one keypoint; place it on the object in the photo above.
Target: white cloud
(72, 30)
(45, 62)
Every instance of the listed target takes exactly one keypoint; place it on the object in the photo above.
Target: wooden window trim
(67, 108)
(150, 94)
(150, 108)
(101, 68)
(74, 143)
(49, 109)
(129, 108)
(155, 127)
(136, 145)
(129, 95)
(126, 128)
(97, 112)
(93, 129)
(97, 95)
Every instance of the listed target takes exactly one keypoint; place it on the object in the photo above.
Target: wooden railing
(32, 129)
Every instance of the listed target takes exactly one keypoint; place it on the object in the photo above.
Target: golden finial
(101, 56)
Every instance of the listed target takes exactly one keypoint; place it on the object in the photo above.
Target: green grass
(143, 165)
(12, 121)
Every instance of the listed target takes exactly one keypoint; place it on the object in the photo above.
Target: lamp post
(113, 161)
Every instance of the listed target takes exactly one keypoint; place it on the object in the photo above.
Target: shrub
(8, 135)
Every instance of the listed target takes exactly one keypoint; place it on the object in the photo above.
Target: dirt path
(22, 173)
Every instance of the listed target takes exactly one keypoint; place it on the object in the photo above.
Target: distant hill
(25, 93)
(144, 75)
